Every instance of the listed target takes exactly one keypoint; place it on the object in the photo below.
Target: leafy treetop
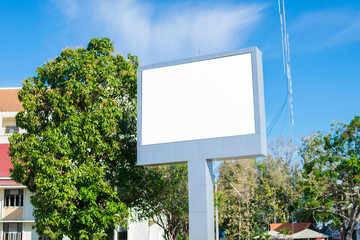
(80, 121)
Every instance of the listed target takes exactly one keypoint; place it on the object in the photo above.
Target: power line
(276, 118)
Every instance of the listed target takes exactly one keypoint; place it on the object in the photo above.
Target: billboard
(208, 107)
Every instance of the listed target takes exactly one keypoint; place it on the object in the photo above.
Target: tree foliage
(332, 176)
(286, 231)
(268, 192)
(167, 200)
(80, 121)
(279, 177)
(238, 198)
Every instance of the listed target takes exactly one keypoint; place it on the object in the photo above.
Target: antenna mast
(286, 61)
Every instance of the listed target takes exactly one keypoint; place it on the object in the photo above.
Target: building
(294, 227)
(16, 219)
(301, 231)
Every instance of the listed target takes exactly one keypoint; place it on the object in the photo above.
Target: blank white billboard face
(198, 100)
(208, 107)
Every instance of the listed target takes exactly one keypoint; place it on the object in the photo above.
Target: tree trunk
(347, 230)
(346, 235)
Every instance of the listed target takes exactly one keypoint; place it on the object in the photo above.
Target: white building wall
(27, 231)
(145, 230)
(28, 208)
(156, 232)
(138, 230)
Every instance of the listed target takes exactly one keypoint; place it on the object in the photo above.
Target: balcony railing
(12, 236)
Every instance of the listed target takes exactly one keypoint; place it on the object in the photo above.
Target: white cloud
(348, 34)
(69, 8)
(327, 28)
(160, 32)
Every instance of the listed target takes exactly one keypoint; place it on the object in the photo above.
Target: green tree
(80, 121)
(269, 192)
(278, 175)
(286, 232)
(166, 200)
(331, 185)
(238, 199)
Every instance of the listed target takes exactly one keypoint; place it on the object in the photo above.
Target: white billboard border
(220, 148)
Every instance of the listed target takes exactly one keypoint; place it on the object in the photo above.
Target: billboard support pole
(201, 200)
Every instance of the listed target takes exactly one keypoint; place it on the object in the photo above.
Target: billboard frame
(219, 148)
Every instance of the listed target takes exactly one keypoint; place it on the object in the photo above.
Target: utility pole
(287, 71)
(286, 60)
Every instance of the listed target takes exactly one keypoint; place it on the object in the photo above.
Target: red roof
(295, 227)
(4, 182)
(5, 163)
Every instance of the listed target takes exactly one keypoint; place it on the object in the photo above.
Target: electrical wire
(276, 118)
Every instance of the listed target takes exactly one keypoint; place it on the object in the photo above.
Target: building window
(122, 235)
(14, 198)
(12, 231)
(11, 129)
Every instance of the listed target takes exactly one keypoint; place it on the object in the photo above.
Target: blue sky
(324, 43)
